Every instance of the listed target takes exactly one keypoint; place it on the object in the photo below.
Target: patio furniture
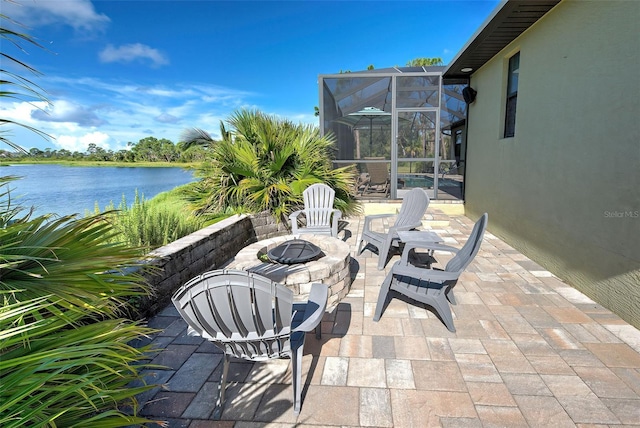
(421, 236)
(414, 205)
(430, 286)
(378, 180)
(321, 217)
(251, 317)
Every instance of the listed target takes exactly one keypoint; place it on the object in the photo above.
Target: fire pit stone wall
(331, 267)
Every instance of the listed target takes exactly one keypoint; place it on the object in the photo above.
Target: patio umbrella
(367, 116)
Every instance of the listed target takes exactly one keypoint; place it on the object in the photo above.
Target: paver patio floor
(529, 351)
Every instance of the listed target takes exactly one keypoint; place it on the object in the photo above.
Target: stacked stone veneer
(332, 268)
(207, 249)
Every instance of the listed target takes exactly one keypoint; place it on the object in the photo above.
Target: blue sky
(119, 71)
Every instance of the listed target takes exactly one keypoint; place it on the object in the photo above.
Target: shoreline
(186, 165)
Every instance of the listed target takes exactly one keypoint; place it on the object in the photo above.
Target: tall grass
(155, 222)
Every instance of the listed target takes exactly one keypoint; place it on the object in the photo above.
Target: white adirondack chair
(321, 217)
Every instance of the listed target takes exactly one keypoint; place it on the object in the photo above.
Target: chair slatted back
(465, 256)
(318, 203)
(247, 315)
(414, 206)
(378, 172)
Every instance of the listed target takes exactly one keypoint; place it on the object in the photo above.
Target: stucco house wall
(566, 189)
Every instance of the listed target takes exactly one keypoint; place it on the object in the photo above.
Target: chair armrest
(295, 215)
(431, 275)
(433, 246)
(368, 218)
(395, 229)
(293, 219)
(315, 307)
(374, 216)
(337, 214)
(429, 246)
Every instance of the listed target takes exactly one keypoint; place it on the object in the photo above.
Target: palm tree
(420, 62)
(13, 84)
(265, 163)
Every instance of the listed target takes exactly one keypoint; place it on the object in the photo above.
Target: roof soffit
(506, 23)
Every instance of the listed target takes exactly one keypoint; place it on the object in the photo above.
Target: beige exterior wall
(565, 190)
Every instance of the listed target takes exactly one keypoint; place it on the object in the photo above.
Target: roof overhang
(510, 19)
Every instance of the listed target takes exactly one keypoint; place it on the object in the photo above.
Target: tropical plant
(13, 84)
(264, 163)
(66, 358)
(420, 62)
(148, 224)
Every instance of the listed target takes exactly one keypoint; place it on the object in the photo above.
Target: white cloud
(79, 14)
(79, 143)
(167, 118)
(114, 112)
(133, 52)
(20, 111)
(162, 92)
(66, 111)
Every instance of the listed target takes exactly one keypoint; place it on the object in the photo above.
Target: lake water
(75, 189)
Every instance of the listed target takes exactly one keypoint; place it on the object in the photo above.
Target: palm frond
(15, 85)
(267, 164)
(196, 137)
(65, 353)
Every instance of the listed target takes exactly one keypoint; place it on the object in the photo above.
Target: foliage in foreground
(265, 163)
(14, 85)
(65, 353)
(152, 223)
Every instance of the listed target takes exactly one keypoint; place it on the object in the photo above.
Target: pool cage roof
(424, 87)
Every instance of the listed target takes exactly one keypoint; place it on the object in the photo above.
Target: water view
(75, 189)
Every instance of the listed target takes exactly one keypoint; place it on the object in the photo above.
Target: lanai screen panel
(430, 113)
(452, 115)
(418, 91)
(349, 94)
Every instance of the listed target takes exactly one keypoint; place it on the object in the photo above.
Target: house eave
(508, 20)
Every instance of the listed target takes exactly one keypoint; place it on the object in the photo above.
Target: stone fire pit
(331, 267)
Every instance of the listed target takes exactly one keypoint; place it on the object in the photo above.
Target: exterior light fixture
(466, 70)
(469, 94)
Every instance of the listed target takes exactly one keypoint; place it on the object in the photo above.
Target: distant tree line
(149, 149)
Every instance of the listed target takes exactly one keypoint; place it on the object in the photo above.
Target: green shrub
(65, 353)
(265, 163)
(153, 223)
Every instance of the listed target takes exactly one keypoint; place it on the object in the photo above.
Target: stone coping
(332, 268)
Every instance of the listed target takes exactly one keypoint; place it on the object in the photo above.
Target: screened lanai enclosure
(402, 127)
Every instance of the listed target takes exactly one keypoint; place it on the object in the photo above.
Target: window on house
(512, 96)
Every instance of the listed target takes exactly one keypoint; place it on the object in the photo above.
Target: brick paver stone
(529, 351)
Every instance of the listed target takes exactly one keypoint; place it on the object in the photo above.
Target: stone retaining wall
(207, 249)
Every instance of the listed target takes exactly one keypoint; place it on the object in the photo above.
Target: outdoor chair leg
(383, 254)
(441, 305)
(361, 247)
(383, 297)
(296, 369)
(222, 386)
(450, 296)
